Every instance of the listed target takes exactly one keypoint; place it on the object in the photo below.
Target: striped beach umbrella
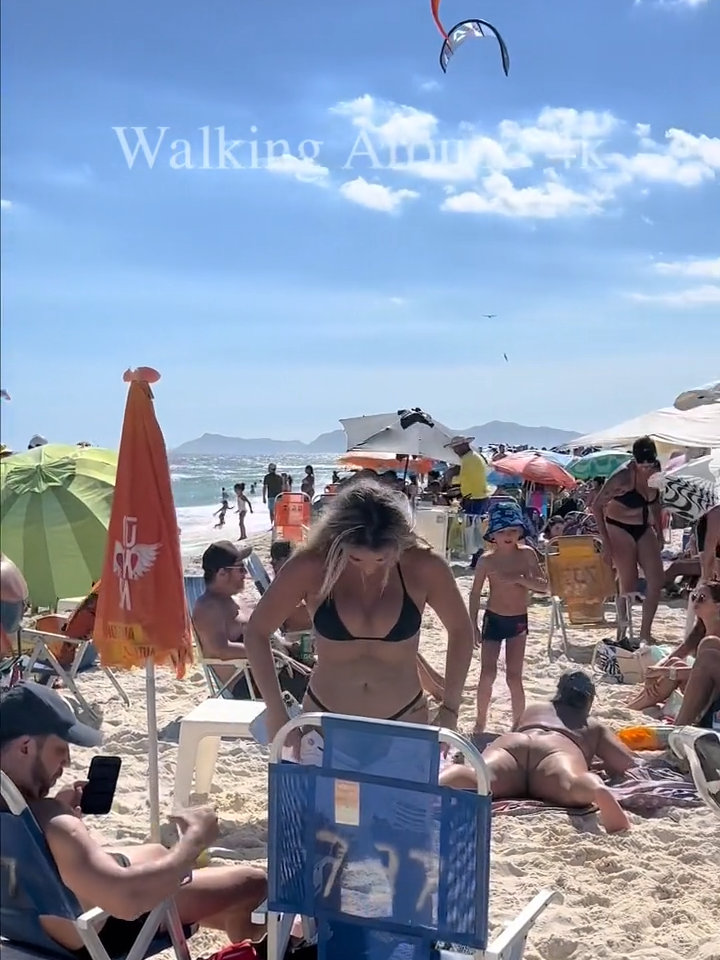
(55, 505)
(601, 463)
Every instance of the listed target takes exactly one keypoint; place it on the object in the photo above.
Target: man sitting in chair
(220, 621)
(36, 727)
(218, 617)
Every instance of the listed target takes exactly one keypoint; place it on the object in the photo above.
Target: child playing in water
(224, 507)
(513, 570)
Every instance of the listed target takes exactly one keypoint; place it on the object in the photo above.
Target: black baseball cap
(31, 710)
(224, 554)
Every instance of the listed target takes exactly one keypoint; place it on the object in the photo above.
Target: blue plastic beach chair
(30, 887)
(383, 861)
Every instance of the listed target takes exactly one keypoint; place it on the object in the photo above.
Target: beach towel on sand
(647, 788)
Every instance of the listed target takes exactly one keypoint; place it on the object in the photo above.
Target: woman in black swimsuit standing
(366, 581)
(628, 516)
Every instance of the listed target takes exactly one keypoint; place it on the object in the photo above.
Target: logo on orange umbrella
(132, 559)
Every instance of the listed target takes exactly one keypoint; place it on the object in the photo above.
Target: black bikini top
(328, 624)
(634, 500)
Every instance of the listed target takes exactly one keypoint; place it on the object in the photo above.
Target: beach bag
(247, 950)
(257, 950)
(622, 665)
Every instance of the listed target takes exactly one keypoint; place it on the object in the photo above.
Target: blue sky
(578, 199)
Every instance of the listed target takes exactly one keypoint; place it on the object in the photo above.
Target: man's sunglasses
(697, 596)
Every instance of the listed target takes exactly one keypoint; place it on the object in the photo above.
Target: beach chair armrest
(509, 945)
(219, 662)
(259, 914)
(91, 918)
(49, 637)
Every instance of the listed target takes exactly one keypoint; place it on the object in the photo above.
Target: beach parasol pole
(153, 752)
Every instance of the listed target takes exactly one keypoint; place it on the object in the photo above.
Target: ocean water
(198, 481)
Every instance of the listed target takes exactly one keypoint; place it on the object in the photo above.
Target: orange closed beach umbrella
(142, 616)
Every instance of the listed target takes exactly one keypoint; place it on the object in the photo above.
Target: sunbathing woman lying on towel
(548, 756)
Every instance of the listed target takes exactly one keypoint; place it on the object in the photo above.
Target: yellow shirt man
(473, 476)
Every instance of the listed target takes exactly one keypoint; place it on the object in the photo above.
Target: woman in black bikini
(366, 581)
(628, 516)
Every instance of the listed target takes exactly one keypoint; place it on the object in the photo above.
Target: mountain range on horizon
(496, 431)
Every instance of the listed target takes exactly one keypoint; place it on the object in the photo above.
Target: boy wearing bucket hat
(513, 570)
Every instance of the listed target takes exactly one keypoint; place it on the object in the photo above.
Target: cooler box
(431, 523)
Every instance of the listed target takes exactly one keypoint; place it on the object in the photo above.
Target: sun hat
(458, 441)
(503, 516)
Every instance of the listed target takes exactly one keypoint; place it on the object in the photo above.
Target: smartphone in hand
(99, 791)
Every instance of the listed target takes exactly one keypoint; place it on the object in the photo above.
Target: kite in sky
(4, 395)
(453, 39)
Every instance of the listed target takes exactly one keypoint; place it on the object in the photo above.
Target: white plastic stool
(200, 733)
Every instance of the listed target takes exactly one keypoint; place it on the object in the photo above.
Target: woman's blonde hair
(364, 514)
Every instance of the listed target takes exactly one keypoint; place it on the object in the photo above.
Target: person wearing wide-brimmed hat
(513, 570)
(473, 480)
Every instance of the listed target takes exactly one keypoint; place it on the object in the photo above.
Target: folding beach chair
(258, 574)
(372, 853)
(581, 583)
(194, 589)
(42, 648)
(30, 888)
(292, 516)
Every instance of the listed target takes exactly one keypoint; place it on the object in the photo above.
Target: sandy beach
(651, 894)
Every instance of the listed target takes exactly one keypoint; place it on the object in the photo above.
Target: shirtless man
(36, 727)
(549, 755)
(218, 617)
(513, 571)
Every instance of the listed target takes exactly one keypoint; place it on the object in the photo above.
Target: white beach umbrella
(409, 433)
(699, 397)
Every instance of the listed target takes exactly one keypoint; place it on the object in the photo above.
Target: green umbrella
(601, 463)
(55, 509)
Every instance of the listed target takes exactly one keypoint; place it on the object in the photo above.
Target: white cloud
(398, 301)
(375, 195)
(302, 168)
(693, 297)
(546, 201)
(598, 154)
(5, 204)
(430, 86)
(709, 269)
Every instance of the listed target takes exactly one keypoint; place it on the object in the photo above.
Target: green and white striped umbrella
(601, 463)
(54, 513)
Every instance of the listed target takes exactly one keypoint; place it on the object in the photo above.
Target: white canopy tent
(397, 433)
(677, 429)
(690, 399)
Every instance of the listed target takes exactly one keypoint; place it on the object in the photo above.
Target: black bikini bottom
(396, 716)
(636, 530)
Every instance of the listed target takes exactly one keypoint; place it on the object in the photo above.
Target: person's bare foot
(612, 815)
